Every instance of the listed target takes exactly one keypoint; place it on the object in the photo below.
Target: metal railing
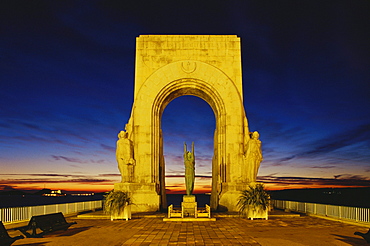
(334, 211)
(14, 214)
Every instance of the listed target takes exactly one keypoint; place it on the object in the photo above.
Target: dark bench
(5, 239)
(46, 223)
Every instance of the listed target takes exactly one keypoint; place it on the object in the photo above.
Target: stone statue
(189, 161)
(125, 157)
(253, 156)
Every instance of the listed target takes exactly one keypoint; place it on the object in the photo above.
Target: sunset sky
(67, 86)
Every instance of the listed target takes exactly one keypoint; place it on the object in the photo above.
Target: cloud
(174, 186)
(182, 176)
(174, 172)
(97, 161)
(5, 125)
(109, 148)
(200, 160)
(51, 140)
(88, 181)
(51, 175)
(31, 126)
(35, 125)
(174, 158)
(337, 148)
(323, 167)
(338, 141)
(43, 175)
(353, 177)
(7, 182)
(76, 160)
(39, 180)
(175, 176)
(207, 158)
(345, 180)
(6, 187)
(110, 175)
(286, 158)
(69, 159)
(202, 177)
(75, 166)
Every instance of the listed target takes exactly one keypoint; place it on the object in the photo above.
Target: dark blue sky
(67, 78)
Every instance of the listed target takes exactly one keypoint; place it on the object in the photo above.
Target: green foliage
(255, 198)
(115, 201)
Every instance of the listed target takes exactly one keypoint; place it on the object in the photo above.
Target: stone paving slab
(291, 231)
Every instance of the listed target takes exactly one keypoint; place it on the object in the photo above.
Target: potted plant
(118, 205)
(254, 202)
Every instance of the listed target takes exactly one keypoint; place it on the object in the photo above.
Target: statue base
(230, 195)
(143, 196)
(189, 206)
(189, 211)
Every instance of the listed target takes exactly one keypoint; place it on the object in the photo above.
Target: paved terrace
(281, 229)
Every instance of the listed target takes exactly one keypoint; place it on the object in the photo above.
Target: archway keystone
(170, 66)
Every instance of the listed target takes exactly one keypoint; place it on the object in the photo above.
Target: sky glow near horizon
(67, 86)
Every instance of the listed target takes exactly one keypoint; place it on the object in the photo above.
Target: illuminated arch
(152, 94)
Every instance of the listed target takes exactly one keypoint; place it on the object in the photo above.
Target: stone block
(187, 199)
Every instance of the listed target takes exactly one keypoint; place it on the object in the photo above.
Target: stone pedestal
(189, 211)
(143, 196)
(230, 196)
(189, 206)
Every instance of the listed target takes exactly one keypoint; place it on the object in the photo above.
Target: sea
(351, 197)
(348, 197)
(7, 201)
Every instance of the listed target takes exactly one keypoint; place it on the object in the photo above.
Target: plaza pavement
(282, 229)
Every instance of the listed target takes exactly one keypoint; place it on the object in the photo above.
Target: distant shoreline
(350, 197)
(8, 201)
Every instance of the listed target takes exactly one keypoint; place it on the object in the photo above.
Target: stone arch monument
(206, 66)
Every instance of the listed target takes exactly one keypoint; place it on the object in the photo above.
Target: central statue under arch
(189, 161)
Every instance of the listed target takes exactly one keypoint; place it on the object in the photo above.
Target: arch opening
(200, 89)
(188, 119)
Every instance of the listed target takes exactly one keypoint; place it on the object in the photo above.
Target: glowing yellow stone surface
(206, 66)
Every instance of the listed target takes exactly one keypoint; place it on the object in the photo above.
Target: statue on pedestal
(189, 161)
(253, 156)
(125, 157)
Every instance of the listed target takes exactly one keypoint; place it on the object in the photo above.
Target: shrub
(115, 201)
(255, 198)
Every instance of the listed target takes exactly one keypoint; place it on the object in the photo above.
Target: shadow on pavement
(351, 240)
(74, 231)
(33, 244)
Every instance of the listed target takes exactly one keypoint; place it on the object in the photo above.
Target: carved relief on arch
(188, 66)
